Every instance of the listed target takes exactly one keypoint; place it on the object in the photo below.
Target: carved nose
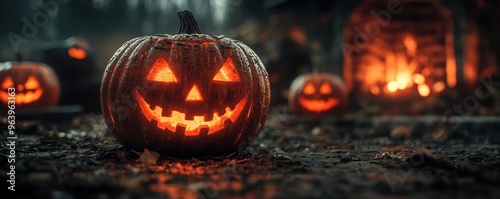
(194, 94)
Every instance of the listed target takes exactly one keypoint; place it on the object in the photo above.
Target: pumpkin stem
(188, 23)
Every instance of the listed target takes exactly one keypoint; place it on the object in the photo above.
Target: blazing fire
(403, 70)
(402, 58)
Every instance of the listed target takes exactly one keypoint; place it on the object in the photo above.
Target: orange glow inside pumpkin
(26, 93)
(318, 104)
(309, 89)
(325, 89)
(77, 53)
(161, 72)
(194, 126)
(7, 83)
(194, 94)
(227, 73)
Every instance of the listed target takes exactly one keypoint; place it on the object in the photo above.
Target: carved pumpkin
(185, 94)
(318, 94)
(36, 85)
(71, 58)
(74, 62)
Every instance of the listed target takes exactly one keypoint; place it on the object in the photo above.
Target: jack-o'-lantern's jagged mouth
(192, 127)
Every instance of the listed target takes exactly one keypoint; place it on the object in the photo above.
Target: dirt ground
(292, 158)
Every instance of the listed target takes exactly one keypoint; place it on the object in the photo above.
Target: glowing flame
(438, 87)
(375, 90)
(404, 68)
(423, 90)
(418, 79)
(410, 44)
(451, 65)
(403, 79)
(392, 86)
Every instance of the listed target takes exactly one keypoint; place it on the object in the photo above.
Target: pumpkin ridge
(116, 78)
(106, 78)
(113, 63)
(249, 55)
(133, 55)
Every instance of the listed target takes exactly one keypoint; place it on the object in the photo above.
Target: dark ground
(292, 158)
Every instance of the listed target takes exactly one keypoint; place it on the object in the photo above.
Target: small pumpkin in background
(74, 62)
(188, 94)
(71, 58)
(317, 94)
(36, 85)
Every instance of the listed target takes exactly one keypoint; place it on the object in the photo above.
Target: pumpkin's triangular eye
(7, 83)
(325, 88)
(31, 83)
(161, 72)
(309, 89)
(227, 73)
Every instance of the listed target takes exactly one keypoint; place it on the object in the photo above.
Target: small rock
(281, 142)
(401, 131)
(317, 131)
(148, 157)
(440, 134)
(61, 134)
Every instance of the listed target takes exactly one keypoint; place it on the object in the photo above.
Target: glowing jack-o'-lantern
(185, 94)
(318, 94)
(74, 62)
(35, 84)
(72, 59)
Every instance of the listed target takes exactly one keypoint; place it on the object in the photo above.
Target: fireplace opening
(399, 53)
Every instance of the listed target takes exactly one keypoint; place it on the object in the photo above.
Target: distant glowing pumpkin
(189, 94)
(318, 94)
(75, 63)
(36, 85)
